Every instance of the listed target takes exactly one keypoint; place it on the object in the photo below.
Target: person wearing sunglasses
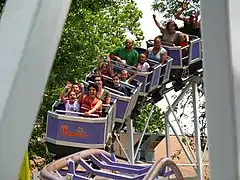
(102, 93)
(126, 54)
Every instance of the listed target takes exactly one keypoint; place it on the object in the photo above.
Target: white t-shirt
(75, 107)
(143, 67)
(156, 57)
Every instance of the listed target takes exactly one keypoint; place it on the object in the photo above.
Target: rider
(156, 51)
(170, 33)
(191, 24)
(102, 93)
(90, 102)
(125, 54)
(105, 68)
(118, 86)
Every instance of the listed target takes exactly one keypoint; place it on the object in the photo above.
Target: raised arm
(158, 24)
(179, 15)
(196, 22)
(63, 93)
(199, 23)
(82, 93)
(110, 66)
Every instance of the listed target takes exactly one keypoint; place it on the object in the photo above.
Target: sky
(150, 31)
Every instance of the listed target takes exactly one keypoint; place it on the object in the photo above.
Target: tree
(156, 122)
(92, 28)
(187, 103)
(170, 7)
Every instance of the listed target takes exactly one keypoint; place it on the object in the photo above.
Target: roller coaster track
(158, 94)
(160, 165)
(50, 172)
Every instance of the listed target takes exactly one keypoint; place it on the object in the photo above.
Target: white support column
(175, 132)
(167, 134)
(130, 140)
(197, 132)
(143, 133)
(168, 141)
(175, 103)
(221, 43)
(29, 35)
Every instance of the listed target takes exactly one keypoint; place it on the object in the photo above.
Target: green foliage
(156, 122)
(88, 34)
(169, 8)
(92, 28)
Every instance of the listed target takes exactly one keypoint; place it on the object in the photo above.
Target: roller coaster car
(69, 132)
(124, 104)
(149, 80)
(184, 64)
(164, 69)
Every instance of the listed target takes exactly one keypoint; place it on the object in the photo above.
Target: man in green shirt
(126, 53)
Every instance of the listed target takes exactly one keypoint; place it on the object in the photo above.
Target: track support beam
(222, 82)
(30, 31)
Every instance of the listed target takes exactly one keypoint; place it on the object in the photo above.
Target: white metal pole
(167, 134)
(179, 140)
(175, 103)
(197, 132)
(205, 149)
(130, 140)
(180, 128)
(168, 140)
(220, 29)
(30, 31)
(179, 98)
(144, 131)
(121, 146)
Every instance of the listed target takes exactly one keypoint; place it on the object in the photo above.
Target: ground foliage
(156, 122)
